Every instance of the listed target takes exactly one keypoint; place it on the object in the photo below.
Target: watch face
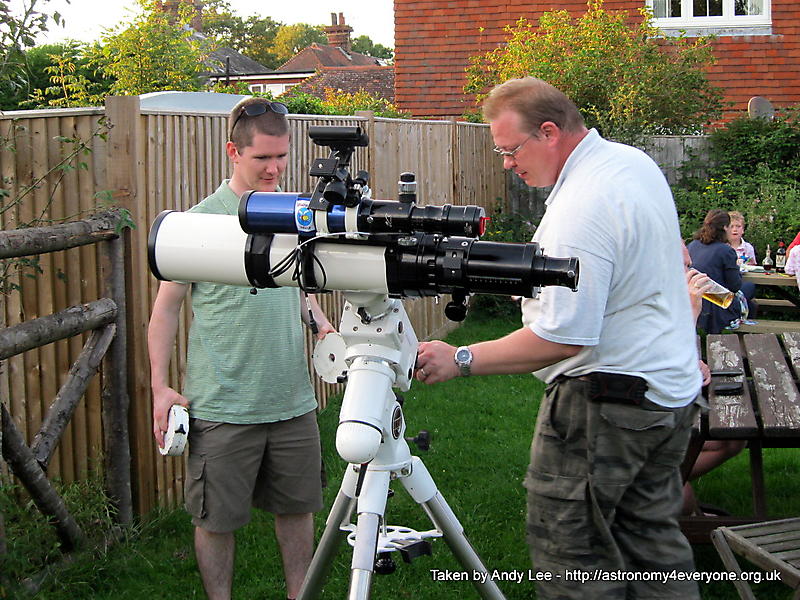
(463, 355)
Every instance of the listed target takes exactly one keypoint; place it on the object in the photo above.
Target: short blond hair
(536, 102)
(735, 215)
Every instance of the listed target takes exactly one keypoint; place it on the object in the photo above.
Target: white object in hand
(177, 431)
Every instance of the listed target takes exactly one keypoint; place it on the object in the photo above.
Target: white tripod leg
(332, 537)
(371, 508)
(422, 489)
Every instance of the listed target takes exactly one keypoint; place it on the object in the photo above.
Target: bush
(755, 169)
(625, 76)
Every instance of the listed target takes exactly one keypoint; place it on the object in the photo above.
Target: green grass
(481, 430)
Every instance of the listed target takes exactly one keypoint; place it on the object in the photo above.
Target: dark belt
(612, 387)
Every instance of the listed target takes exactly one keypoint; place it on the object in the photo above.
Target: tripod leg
(371, 507)
(421, 487)
(331, 538)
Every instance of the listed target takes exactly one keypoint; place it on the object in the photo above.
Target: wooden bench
(765, 412)
(776, 303)
(769, 326)
(772, 546)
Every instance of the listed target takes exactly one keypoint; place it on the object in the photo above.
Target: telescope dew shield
(429, 265)
(188, 247)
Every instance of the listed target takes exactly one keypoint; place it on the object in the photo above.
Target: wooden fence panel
(29, 381)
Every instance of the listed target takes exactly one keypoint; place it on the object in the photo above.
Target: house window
(256, 88)
(722, 17)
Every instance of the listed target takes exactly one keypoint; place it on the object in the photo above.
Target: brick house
(757, 45)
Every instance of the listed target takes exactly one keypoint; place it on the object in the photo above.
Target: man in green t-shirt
(253, 437)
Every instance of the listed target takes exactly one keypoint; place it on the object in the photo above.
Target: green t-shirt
(246, 360)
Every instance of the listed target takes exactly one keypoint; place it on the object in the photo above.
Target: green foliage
(252, 36)
(365, 45)
(335, 102)
(18, 30)
(627, 78)
(755, 169)
(71, 80)
(32, 541)
(290, 39)
(152, 53)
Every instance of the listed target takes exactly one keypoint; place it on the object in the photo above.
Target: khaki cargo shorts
(271, 466)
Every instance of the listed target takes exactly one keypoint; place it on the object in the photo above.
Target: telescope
(338, 238)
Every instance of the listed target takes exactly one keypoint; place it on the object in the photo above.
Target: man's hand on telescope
(163, 399)
(435, 362)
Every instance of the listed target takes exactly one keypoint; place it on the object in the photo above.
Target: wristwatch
(463, 358)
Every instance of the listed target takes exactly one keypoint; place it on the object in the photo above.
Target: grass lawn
(481, 429)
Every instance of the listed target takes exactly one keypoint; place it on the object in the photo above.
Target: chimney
(338, 33)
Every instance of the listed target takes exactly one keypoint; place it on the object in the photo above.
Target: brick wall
(435, 38)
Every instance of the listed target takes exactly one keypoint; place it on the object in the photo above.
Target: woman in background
(712, 255)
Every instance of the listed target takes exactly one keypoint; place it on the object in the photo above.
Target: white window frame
(717, 24)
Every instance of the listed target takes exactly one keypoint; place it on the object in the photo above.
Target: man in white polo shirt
(604, 487)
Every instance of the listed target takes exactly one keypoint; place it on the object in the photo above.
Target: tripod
(376, 349)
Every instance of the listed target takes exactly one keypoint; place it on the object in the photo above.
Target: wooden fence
(104, 318)
(155, 160)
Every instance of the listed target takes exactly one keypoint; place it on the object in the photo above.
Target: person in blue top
(253, 437)
(712, 255)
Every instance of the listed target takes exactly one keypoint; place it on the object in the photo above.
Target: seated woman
(712, 255)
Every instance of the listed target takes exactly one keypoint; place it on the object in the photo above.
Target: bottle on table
(767, 262)
(780, 257)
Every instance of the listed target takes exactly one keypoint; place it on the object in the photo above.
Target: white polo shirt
(612, 208)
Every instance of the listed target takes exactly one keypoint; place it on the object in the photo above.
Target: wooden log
(44, 330)
(24, 466)
(60, 412)
(116, 401)
(39, 240)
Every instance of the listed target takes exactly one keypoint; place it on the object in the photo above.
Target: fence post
(116, 401)
(125, 147)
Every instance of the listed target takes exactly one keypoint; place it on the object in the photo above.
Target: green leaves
(627, 79)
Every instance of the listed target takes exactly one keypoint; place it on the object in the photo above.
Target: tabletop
(765, 411)
(771, 278)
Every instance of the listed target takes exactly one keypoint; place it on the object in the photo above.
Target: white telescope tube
(189, 247)
(192, 247)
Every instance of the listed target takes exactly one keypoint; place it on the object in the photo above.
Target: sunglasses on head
(259, 108)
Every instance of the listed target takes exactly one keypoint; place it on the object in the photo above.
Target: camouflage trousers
(604, 495)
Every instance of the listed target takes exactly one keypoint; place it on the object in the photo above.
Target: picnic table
(765, 412)
(784, 286)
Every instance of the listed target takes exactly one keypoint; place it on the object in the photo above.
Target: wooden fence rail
(105, 319)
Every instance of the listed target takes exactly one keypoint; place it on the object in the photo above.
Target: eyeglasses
(259, 108)
(512, 153)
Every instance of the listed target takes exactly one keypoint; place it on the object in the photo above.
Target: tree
(365, 45)
(627, 79)
(18, 31)
(290, 39)
(153, 53)
(64, 77)
(253, 36)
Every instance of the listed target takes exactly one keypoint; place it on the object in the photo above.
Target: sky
(86, 19)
